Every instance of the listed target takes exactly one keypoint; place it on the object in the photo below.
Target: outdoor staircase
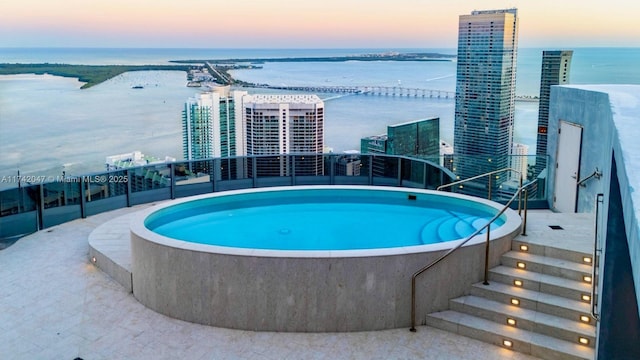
(551, 319)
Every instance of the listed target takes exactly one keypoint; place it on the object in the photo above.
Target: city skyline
(289, 24)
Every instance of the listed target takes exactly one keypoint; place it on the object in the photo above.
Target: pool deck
(57, 305)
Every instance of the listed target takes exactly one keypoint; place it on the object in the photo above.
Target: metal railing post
(83, 199)
(594, 259)
(489, 186)
(129, 187)
(486, 257)
(424, 175)
(520, 199)
(524, 219)
(293, 168)
(40, 213)
(254, 169)
(172, 172)
(332, 172)
(371, 159)
(413, 304)
(212, 174)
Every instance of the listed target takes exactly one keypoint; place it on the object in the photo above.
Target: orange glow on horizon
(345, 22)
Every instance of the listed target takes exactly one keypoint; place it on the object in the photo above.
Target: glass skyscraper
(485, 94)
(419, 138)
(556, 66)
(211, 127)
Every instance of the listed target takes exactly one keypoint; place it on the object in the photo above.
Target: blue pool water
(322, 219)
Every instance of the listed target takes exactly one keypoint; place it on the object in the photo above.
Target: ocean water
(48, 125)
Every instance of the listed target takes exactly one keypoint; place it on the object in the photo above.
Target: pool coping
(138, 228)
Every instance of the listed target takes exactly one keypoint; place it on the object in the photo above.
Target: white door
(567, 167)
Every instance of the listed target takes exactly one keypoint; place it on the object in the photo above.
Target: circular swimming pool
(322, 219)
(309, 258)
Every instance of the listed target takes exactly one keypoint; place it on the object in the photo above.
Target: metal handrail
(480, 176)
(486, 226)
(489, 185)
(594, 262)
(596, 173)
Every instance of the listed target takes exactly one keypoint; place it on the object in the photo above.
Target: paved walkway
(54, 304)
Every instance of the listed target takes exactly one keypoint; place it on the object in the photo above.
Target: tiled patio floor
(54, 304)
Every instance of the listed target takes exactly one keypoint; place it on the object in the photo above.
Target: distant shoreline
(365, 57)
(93, 75)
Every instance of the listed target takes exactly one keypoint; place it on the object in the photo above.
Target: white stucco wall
(610, 117)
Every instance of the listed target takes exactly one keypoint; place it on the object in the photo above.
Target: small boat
(137, 87)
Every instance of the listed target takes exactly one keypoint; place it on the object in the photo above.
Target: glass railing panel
(365, 165)
(19, 200)
(137, 185)
(62, 193)
(351, 165)
(499, 186)
(272, 166)
(150, 177)
(193, 172)
(413, 171)
(234, 168)
(308, 164)
(105, 185)
(384, 167)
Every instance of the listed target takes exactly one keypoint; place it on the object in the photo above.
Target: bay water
(48, 125)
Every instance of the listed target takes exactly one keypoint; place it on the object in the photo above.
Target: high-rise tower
(485, 93)
(285, 124)
(556, 66)
(211, 126)
(419, 138)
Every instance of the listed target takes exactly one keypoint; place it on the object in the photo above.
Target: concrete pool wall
(303, 291)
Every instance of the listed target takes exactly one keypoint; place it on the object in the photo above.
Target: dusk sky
(304, 23)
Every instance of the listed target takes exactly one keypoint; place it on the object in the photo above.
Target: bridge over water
(371, 90)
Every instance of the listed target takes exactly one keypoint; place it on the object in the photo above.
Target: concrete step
(547, 265)
(525, 319)
(544, 283)
(524, 341)
(552, 297)
(533, 300)
(550, 251)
